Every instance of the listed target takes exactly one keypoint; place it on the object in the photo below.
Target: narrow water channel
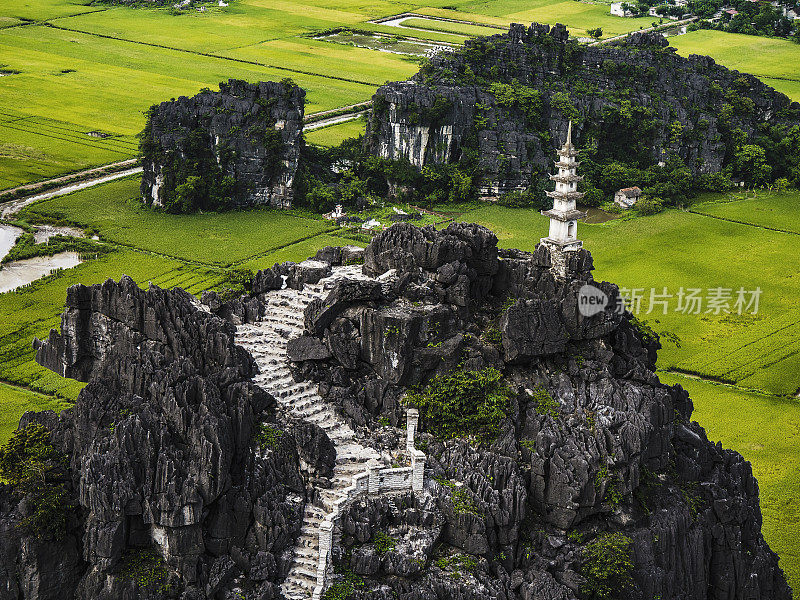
(22, 272)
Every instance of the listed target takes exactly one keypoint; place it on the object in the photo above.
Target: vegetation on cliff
(30, 463)
(464, 403)
(643, 116)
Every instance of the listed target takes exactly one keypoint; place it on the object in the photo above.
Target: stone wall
(243, 142)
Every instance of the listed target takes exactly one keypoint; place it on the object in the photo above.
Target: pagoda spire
(563, 235)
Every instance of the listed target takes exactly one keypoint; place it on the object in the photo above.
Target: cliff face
(593, 449)
(173, 494)
(594, 483)
(506, 101)
(236, 147)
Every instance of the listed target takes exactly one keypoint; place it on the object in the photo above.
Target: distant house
(620, 9)
(627, 197)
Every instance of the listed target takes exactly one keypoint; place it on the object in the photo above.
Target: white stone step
(267, 341)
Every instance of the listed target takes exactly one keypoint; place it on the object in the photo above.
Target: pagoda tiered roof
(566, 165)
(564, 215)
(566, 178)
(565, 195)
(568, 150)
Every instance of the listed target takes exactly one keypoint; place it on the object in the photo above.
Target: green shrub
(545, 403)
(29, 454)
(268, 437)
(493, 335)
(343, 589)
(607, 566)
(461, 501)
(463, 403)
(457, 562)
(29, 462)
(147, 568)
(645, 331)
(26, 247)
(649, 206)
(384, 543)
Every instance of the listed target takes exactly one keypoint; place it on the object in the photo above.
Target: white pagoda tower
(564, 215)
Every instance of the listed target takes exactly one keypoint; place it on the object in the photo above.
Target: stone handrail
(375, 480)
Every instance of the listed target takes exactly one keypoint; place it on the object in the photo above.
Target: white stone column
(325, 546)
(374, 485)
(412, 420)
(418, 473)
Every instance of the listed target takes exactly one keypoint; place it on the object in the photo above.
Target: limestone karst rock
(615, 452)
(504, 103)
(239, 146)
(164, 454)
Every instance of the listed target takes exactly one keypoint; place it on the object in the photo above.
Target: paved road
(9, 209)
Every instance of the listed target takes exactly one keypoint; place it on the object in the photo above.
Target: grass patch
(333, 135)
(218, 239)
(16, 401)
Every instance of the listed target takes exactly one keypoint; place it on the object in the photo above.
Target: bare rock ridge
(239, 146)
(505, 101)
(213, 439)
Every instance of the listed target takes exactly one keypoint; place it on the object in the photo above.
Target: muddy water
(23, 272)
(44, 232)
(8, 235)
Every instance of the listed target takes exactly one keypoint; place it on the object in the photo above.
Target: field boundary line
(210, 55)
(707, 379)
(267, 252)
(729, 220)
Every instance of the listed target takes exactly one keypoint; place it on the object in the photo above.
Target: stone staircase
(267, 341)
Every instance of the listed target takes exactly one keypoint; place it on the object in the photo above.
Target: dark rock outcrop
(236, 147)
(506, 100)
(163, 457)
(591, 448)
(592, 445)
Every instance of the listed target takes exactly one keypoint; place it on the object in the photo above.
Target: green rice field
(333, 135)
(85, 69)
(211, 239)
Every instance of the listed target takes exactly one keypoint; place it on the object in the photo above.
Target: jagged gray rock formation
(236, 147)
(167, 449)
(635, 101)
(592, 445)
(164, 455)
